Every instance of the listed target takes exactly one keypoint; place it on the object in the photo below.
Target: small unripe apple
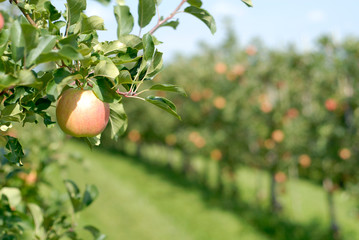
(80, 113)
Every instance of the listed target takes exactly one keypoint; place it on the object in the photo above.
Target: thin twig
(129, 94)
(67, 25)
(160, 22)
(28, 17)
(139, 93)
(158, 13)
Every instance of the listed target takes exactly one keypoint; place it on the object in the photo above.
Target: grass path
(135, 203)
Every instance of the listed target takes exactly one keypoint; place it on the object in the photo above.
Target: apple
(196, 96)
(171, 139)
(345, 153)
(220, 68)
(80, 113)
(305, 160)
(2, 21)
(134, 136)
(251, 50)
(331, 104)
(278, 135)
(216, 154)
(219, 102)
(280, 177)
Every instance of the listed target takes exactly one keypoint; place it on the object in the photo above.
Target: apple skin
(2, 21)
(80, 113)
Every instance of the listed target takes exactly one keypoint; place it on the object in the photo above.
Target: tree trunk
(205, 175)
(169, 157)
(220, 184)
(186, 164)
(234, 191)
(334, 227)
(274, 203)
(138, 150)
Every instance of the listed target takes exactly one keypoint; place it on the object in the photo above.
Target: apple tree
(45, 52)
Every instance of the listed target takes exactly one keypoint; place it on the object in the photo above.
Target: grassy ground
(141, 201)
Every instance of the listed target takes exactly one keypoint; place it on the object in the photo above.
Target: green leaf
(156, 65)
(104, 1)
(4, 38)
(89, 24)
(16, 153)
(124, 20)
(148, 46)
(69, 40)
(42, 80)
(118, 120)
(125, 58)
(38, 217)
(93, 141)
(103, 89)
(70, 53)
(168, 88)
(124, 77)
(146, 11)
(248, 2)
(54, 27)
(173, 24)
(7, 80)
(54, 14)
(46, 43)
(26, 77)
(67, 52)
(132, 41)
(196, 3)
(12, 194)
(163, 103)
(106, 68)
(42, 104)
(17, 41)
(31, 36)
(202, 15)
(75, 8)
(142, 70)
(108, 48)
(90, 194)
(97, 235)
(57, 83)
(12, 112)
(47, 119)
(74, 194)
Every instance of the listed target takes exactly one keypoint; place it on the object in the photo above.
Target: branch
(159, 23)
(28, 17)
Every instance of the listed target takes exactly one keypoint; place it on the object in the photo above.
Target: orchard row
(276, 110)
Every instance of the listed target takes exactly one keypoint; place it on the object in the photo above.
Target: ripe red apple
(80, 113)
(331, 104)
(2, 21)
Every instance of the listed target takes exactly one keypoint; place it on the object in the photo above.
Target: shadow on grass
(271, 224)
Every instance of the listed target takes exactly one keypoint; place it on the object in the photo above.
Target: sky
(276, 22)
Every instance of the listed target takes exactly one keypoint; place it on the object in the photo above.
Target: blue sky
(276, 22)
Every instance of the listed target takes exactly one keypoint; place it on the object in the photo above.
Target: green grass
(141, 201)
(135, 203)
